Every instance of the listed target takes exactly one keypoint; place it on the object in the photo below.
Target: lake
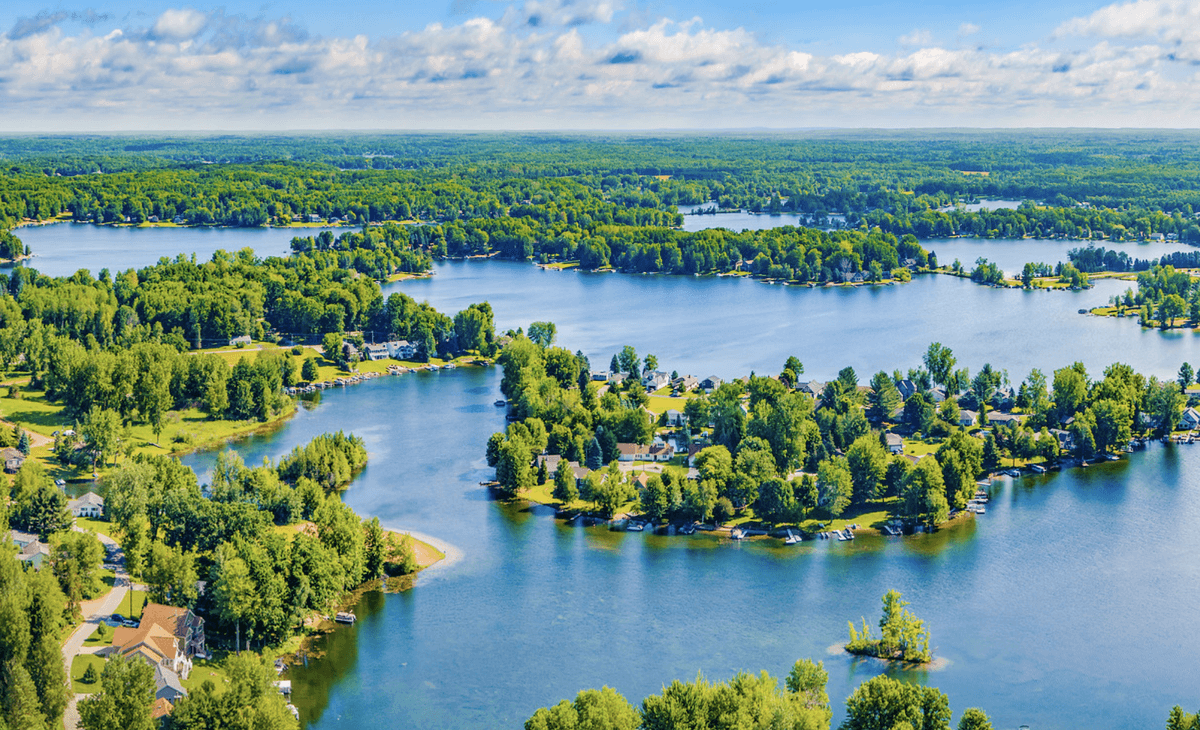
(1067, 605)
(61, 249)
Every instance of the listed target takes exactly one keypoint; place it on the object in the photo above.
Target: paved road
(93, 611)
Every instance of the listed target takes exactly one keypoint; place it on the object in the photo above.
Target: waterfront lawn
(873, 515)
(79, 665)
(660, 404)
(207, 669)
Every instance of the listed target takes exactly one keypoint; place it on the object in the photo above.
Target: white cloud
(967, 29)
(195, 70)
(179, 24)
(919, 37)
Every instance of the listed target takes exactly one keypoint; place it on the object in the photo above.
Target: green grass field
(79, 665)
(203, 670)
(132, 604)
(100, 527)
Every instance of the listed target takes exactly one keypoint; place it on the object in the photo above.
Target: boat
(635, 526)
(840, 536)
(500, 403)
(1038, 468)
(345, 617)
(1013, 473)
(791, 538)
(736, 534)
(1114, 457)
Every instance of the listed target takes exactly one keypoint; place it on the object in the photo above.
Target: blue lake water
(1069, 604)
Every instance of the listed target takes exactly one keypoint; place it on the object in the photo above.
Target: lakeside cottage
(966, 418)
(90, 505)
(1191, 418)
(240, 340)
(711, 383)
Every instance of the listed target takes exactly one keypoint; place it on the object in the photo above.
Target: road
(93, 611)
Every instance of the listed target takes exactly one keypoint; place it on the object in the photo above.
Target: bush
(89, 675)
(297, 350)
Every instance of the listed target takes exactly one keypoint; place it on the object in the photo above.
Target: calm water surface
(1068, 605)
(64, 248)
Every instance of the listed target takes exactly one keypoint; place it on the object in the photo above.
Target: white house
(240, 340)
(1191, 418)
(631, 452)
(654, 380)
(400, 349)
(90, 505)
(376, 352)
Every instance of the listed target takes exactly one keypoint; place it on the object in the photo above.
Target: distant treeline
(1093, 259)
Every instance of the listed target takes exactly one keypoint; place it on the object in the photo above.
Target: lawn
(100, 527)
(204, 669)
(662, 403)
(96, 640)
(34, 413)
(132, 605)
(79, 665)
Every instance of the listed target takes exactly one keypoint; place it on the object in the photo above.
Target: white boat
(791, 538)
(736, 534)
(635, 527)
(1038, 468)
(345, 617)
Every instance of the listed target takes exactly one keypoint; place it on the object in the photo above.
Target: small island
(905, 638)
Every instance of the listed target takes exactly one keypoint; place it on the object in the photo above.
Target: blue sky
(596, 64)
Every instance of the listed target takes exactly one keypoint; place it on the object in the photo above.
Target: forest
(783, 450)
(603, 200)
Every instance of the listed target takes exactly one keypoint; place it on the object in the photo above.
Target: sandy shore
(453, 553)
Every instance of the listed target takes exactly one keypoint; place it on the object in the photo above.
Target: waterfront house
(895, 444)
(240, 340)
(400, 349)
(1066, 441)
(966, 418)
(13, 459)
(90, 505)
(1191, 418)
(711, 383)
(166, 636)
(376, 352)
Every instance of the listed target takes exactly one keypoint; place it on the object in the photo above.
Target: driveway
(93, 611)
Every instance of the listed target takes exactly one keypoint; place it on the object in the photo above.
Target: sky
(130, 65)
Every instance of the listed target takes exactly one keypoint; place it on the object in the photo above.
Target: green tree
(939, 361)
(542, 334)
(309, 371)
(512, 469)
(124, 700)
(233, 590)
(776, 501)
(974, 718)
(883, 703)
(332, 349)
(565, 489)
(835, 485)
(924, 493)
(602, 709)
(867, 460)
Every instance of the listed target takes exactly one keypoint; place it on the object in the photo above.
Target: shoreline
(451, 553)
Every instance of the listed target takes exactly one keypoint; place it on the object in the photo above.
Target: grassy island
(904, 636)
